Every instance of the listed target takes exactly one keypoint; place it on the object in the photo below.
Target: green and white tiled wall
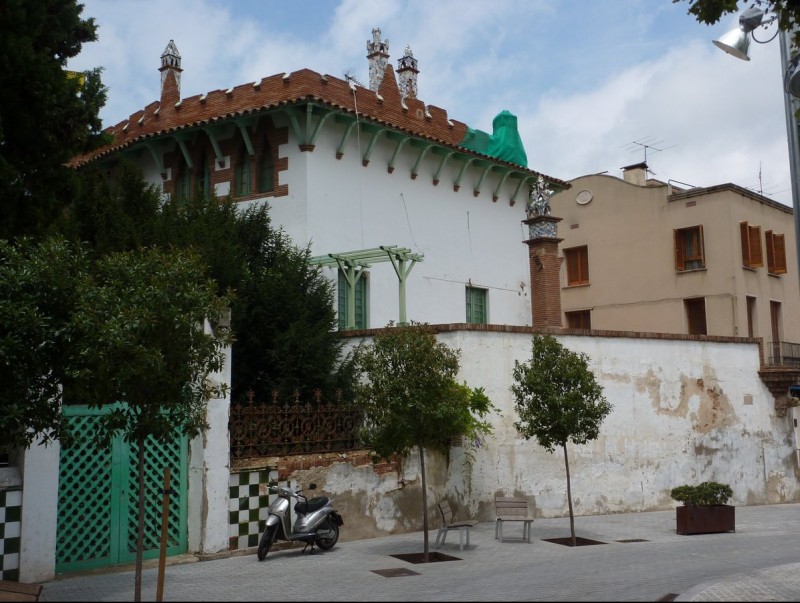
(10, 530)
(248, 503)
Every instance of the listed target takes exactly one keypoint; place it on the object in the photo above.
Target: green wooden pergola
(353, 263)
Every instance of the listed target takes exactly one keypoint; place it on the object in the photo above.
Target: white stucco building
(418, 217)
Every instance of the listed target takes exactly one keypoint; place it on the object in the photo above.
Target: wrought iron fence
(296, 427)
(783, 353)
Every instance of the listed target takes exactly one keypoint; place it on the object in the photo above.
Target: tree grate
(395, 572)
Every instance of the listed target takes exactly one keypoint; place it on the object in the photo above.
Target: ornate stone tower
(378, 57)
(170, 74)
(543, 260)
(407, 74)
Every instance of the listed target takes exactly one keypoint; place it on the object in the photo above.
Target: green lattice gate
(98, 497)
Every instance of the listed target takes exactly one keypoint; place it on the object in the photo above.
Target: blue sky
(586, 79)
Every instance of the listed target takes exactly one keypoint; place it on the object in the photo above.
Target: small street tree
(411, 398)
(140, 340)
(558, 400)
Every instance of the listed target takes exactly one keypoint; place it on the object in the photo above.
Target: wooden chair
(448, 522)
(509, 508)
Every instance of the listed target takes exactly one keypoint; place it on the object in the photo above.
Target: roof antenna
(351, 79)
(649, 142)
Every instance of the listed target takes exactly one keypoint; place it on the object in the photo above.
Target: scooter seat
(311, 505)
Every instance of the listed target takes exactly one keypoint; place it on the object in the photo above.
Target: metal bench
(448, 522)
(509, 508)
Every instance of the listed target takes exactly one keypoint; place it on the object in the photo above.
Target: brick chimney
(170, 75)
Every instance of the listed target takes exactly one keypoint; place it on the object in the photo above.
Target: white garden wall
(684, 411)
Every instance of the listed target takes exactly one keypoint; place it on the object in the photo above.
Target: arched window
(243, 172)
(266, 170)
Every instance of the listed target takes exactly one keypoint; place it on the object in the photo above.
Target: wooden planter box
(706, 520)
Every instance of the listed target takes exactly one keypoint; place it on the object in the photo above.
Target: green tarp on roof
(504, 143)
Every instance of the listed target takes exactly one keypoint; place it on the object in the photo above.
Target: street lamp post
(790, 104)
(737, 43)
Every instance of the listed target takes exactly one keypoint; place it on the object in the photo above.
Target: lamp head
(750, 19)
(736, 42)
(791, 79)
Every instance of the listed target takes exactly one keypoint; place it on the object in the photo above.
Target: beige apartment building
(645, 255)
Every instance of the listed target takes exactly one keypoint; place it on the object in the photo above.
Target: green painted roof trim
(504, 143)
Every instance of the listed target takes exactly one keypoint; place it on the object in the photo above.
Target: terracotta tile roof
(386, 108)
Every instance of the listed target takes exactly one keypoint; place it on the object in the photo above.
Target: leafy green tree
(39, 285)
(140, 339)
(711, 11)
(283, 309)
(558, 400)
(411, 398)
(47, 114)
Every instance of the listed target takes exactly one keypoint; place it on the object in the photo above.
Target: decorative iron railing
(275, 429)
(783, 353)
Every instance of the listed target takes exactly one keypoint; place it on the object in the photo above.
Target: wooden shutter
(756, 258)
(573, 270)
(696, 315)
(678, 237)
(776, 253)
(751, 245)
(701, 251)
(744, 231)
(583, 263)
(779, 249)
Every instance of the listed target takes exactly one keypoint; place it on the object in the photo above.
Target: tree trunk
(137, 593)
(569, 498)
(424, 500)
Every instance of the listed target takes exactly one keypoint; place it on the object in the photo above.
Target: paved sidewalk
(641, 559)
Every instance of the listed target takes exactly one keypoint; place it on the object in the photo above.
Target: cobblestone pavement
(640, 558)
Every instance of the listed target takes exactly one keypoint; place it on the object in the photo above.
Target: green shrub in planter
(707, 494)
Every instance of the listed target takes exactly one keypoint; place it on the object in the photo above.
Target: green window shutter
(204, 182)
(476, 305)
(341, 294)
(266, 171)
(360, 300)
(243, 174)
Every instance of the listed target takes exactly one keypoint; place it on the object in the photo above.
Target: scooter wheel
(328, 543)
(267, 538)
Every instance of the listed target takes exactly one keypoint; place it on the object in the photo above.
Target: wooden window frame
(576, 260)
(696, 324)
(752, 256)
(776, 253)
(579, 319)
(681, 258)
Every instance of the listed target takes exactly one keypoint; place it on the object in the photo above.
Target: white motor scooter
(316, 521)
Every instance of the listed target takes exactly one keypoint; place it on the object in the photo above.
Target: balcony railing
(783, 353)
